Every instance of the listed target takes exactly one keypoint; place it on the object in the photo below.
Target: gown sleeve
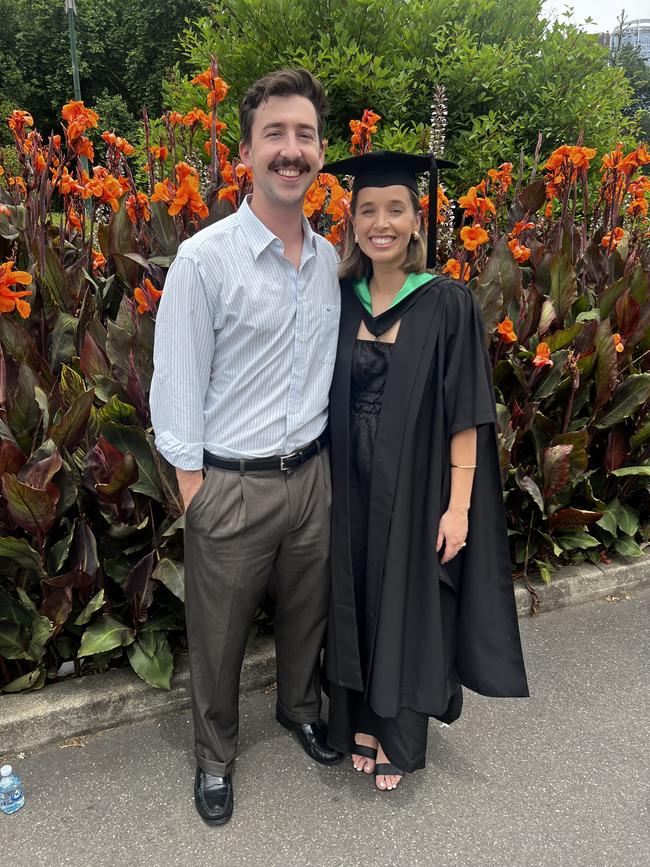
(467, 387)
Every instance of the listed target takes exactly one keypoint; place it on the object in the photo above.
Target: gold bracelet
(464, 466)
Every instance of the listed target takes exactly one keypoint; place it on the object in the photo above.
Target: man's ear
(245, 154)
(321, 152)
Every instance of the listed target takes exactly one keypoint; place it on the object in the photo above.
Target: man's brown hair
(284, 82)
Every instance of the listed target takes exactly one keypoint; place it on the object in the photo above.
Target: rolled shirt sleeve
(183, 353)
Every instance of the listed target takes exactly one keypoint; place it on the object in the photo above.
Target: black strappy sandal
(366, 752)
(383, 769)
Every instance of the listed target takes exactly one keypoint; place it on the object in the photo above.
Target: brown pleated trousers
(246, 534)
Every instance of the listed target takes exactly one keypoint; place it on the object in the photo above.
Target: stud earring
(356, 239)
(416, 236)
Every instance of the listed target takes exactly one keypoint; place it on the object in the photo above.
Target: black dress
(404, 631)
(403, 738)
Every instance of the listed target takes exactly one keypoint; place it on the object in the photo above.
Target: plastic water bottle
(12, 796)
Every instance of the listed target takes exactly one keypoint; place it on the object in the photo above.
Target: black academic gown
(439, 382)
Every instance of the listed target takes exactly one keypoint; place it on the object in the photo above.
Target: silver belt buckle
(283, 458)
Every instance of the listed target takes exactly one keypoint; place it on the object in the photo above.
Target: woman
(422, 598)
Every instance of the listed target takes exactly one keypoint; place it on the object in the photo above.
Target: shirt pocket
(329, 332)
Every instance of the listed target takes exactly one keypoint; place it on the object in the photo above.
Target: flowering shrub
(91, 519)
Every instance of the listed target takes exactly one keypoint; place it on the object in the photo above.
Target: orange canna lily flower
(147, 296)
(618, 342)
(506, 331)
(195, 117)
(543, 356)
(4, 211)
(105, 187)
(19, 184)
(18, 120)
(443, 207)
(11, 299)
(452, 267)
(502, 177)
(99, 261)
(137, 206)
(363, 131)
(159, 153)
(475, 205)
(72, 219)
(84, 147)
(67, 185)
(216, 85)
(473, 236)
(164, 191)
(638, 207)
(187, 194)
(229, 194)
(336, 234)
(618, 237)
(521, 226)
(79, 119)
(521, 253)
(338, 207)
(120, 144)
(581, 156)
(314, 199)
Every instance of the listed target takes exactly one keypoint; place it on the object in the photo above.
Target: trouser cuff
(301, 717)
(217, 769)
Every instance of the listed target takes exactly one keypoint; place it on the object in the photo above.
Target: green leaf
(627, 547)
(62, 347)
(573, 518)
(564, 284)
(631, 471)
(641, 437)
(577, 539)
(551, 379)
(72, 385)
(27, 682)
(629, 395)
(606, 364)
(531, 488)
(41, 632)
(58, 552)
(68, 432)
(544, 571)
(563, 338)
(32, 509)
(121, 239)
(502, 269)
(171, 573)
(134, 440)
(556, 469)
(626, 518)
(611, 295)
(117, 411)
(56, 283)
(104, 634)
(14, 640)
(608, 522)
(157, 670)
(94, 605)
(21, 552)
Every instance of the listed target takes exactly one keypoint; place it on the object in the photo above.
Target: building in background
(635, 33)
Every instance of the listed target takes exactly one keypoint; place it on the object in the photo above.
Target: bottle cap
(5, 771)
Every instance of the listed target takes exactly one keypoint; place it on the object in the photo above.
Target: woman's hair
(355, 264)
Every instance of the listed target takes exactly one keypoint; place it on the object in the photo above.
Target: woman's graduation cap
(385, 168)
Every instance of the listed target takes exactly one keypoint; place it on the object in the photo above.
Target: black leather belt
(277, 462)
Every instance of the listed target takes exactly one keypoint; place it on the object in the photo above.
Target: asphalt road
(559, 779)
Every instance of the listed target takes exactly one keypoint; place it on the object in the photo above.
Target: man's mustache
(301, 165)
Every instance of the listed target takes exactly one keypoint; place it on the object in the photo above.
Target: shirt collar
(260, 236)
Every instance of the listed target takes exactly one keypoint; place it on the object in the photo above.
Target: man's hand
(453, 532)
(189, 481)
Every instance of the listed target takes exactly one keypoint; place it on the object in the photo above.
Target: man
(244, 353)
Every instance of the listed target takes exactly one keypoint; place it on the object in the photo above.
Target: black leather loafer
(312, 738)
(213, 797)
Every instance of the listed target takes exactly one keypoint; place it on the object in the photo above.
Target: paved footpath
(560, 779)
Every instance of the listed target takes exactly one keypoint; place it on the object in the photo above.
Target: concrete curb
(75, 708)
